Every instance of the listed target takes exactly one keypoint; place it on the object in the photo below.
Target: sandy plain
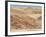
(25, 19)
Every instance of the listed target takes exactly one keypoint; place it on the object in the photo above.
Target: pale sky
(27, 6)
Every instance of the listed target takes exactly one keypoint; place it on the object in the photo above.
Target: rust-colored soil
(25, 20)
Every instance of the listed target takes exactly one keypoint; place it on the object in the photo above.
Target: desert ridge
(25, 18)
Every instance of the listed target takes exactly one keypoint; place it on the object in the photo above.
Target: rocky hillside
(25, 19)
